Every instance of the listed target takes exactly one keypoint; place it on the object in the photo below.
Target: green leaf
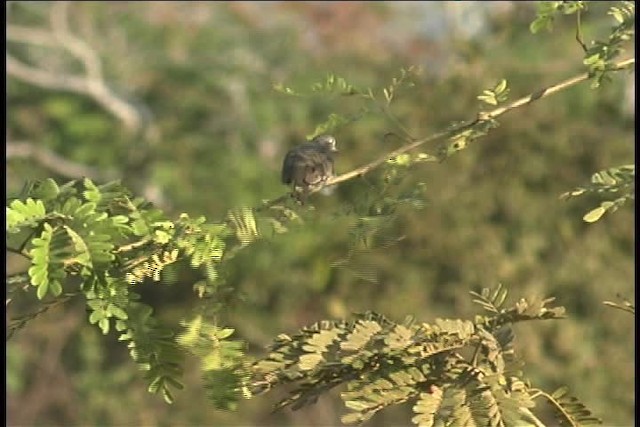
(46, 190)
(48, 254)
(55, 287)
(42, 289)
(333, 122)
(92, 193)
(116, 311)
(594, 214)
(85, 209)
(28, 213)
(426, 407)
(309, 361)
(225, 333)
(592, 59)
(351, 418)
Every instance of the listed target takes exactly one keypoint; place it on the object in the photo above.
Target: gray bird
(309, 164)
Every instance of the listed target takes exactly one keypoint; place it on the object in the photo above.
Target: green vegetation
(124, 118)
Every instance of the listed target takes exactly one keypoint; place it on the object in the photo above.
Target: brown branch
(132, 246)
(45, 79)
(482, 117)
(22, 34)
(19, 252)
(550, 91)
(579, 32)
(77, 47)
(96, 89)
(56, 163)
(92, 85)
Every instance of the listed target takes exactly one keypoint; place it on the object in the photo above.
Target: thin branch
(18, 323)
(34, 36)
(530, 417)
(549, 91)
(628, 307)
(579, 32)
(482, 117)
(45, 79)
(28, 239)
(56, 163)
(77, 47)
(397, 122)
(132, 246)
(18, 252)
(92, 85)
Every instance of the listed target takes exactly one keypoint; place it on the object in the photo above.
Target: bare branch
(19, 252)
(92, 85)
(44, 78)
(77, 47)
(56, 163)
(35, 36)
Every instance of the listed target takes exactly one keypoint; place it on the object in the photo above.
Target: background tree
(490, 214)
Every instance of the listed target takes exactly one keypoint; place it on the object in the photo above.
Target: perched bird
(309, 164)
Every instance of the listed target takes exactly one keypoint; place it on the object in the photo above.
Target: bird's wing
(288, 167)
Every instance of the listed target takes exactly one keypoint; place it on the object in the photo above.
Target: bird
(309, 164)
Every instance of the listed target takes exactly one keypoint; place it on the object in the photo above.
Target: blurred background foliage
(202, 76)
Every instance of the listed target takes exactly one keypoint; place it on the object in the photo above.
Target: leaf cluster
(453, 371)
(599, 56)
(617, 182)
(99, 242)
(376, 101)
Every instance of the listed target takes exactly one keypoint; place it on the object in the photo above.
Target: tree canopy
(484, 183)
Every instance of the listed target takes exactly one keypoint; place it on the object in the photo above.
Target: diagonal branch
(57, 163)
(45, 79)
(77, 47)
(92, 84)
(482, 117)
(34, 36)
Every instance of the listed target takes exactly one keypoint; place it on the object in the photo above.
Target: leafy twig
(485, 116)
(579, 32)
(482, 117)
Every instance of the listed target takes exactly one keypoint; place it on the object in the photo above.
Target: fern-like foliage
(375, 101)
(569, 410)
(107, 242)
(617, 184)
(455, 372)
(223, 372)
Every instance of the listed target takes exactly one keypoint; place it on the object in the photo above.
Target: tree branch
(482, 117)
(18, 252)
(34, 36)
(56, 163)
(92, 85)
(45, 79)
(82, 51)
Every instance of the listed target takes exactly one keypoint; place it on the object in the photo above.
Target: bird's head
(327, 142)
